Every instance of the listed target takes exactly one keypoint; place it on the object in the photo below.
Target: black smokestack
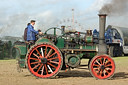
(115, 7)
(102, 23)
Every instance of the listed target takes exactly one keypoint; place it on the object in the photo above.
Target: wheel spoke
(38, 52)
(101, 71)
(36, 55)
(46, 69)
(39, 68)
(54, 62)
(35, 62)
(52, 54)
(98, 62)
(49, 53)
(106, 70)
(34, 59)
(101, 61)
(51, 65)
(96, 65)
(50, 69)
(104, 61)
(107, 62)
(45, 51)
(42, 52)
(42, 70)
(108, 65)
(53, 58)
(35, 66)
(96, 68)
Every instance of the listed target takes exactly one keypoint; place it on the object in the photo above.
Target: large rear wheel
(44, 60)
(102, 67)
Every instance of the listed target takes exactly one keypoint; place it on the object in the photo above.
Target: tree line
(7, 51)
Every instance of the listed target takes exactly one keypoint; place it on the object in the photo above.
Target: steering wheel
(54, 30)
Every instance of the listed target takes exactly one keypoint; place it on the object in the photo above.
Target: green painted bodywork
(22, 50)
(60, 43)
(42, 40)
(89, 39)
(80, 55)
(21, 54)
(89, 47)
(22, 63)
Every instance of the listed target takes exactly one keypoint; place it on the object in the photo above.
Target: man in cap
(31, 33)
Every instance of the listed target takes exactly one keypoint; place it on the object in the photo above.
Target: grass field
(78, 76)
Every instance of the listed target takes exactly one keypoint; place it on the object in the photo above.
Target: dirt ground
(78, 76)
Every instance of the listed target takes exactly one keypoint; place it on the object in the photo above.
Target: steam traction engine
(52, 53)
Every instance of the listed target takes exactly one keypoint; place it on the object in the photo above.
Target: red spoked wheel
(102, 67)
(44, 60)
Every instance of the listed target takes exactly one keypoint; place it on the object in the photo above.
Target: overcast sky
(15, 14)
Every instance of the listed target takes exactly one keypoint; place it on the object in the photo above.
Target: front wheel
(44, 60)
(102, 67)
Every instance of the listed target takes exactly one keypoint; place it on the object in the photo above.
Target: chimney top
(102, 14)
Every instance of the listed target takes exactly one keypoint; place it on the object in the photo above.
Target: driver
(31, 33)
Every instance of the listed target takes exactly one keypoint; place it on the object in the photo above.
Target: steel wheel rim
(49, 68)
(102, 67)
